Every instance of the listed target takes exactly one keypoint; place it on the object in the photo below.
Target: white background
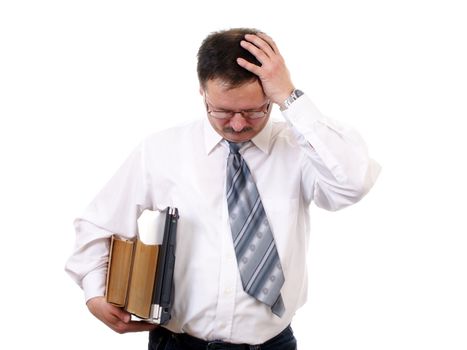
(82, 82)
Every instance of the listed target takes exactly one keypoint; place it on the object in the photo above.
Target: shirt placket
(228, 276)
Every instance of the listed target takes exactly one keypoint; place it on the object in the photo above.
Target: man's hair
(217, 58)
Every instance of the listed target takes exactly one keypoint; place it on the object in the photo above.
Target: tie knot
(234, 147)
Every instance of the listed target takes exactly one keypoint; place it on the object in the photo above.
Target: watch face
(293, 96)
(298, 93)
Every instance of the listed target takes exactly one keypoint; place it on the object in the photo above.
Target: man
(239, 180)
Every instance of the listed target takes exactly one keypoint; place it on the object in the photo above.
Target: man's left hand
(273, 73)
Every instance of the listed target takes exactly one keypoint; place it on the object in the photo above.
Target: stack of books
(140, 275)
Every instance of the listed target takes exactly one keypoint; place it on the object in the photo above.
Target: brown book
(142, 279)
(119, 271)
(131, 275)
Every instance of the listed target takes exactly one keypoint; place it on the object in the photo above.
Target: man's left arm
(337, 170)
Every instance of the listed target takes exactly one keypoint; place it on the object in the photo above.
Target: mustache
(230, 130)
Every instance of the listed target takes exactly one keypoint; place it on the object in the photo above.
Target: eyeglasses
(248, 114)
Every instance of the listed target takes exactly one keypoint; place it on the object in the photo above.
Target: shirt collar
(211, 137)
(262, 140)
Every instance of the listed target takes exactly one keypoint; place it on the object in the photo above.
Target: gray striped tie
(257, 257)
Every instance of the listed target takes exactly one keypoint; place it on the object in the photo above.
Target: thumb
(123, 315)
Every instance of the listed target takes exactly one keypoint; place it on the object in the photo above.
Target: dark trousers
(162, 339)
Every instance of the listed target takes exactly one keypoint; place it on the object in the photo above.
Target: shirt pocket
(283, 215)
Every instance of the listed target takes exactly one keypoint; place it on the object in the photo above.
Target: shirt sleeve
(336, 168)
(113, 211)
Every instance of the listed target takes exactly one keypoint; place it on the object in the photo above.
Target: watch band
(293, 96)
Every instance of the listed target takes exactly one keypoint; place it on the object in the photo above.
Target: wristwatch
(293, 96)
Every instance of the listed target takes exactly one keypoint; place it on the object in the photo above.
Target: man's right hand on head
(116, 318)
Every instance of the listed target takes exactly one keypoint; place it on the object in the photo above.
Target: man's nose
(238, 122)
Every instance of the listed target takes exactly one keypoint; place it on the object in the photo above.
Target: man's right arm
(114, 210)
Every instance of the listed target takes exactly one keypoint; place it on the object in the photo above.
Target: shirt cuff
(302, 110)
(94, 284)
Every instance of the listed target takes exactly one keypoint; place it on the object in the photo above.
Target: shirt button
(227, 291)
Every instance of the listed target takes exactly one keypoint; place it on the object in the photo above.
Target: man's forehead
(248, 92)
(225, 85)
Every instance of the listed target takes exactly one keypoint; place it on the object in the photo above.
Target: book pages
(151, 226)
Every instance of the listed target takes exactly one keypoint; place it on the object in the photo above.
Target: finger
(270, 42)
(263, 42)
(115, 323)
(140, 326)
(259, 53)
(132, 326)
(249, 66)
(122, 315)
(119, 313)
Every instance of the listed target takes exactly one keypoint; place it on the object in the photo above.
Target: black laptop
(162, 299)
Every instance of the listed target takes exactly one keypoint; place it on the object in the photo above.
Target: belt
(190, 342)
(186, 340)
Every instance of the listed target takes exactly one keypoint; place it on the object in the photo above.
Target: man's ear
(201, 90)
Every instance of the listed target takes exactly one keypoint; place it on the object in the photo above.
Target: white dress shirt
(307, 158)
